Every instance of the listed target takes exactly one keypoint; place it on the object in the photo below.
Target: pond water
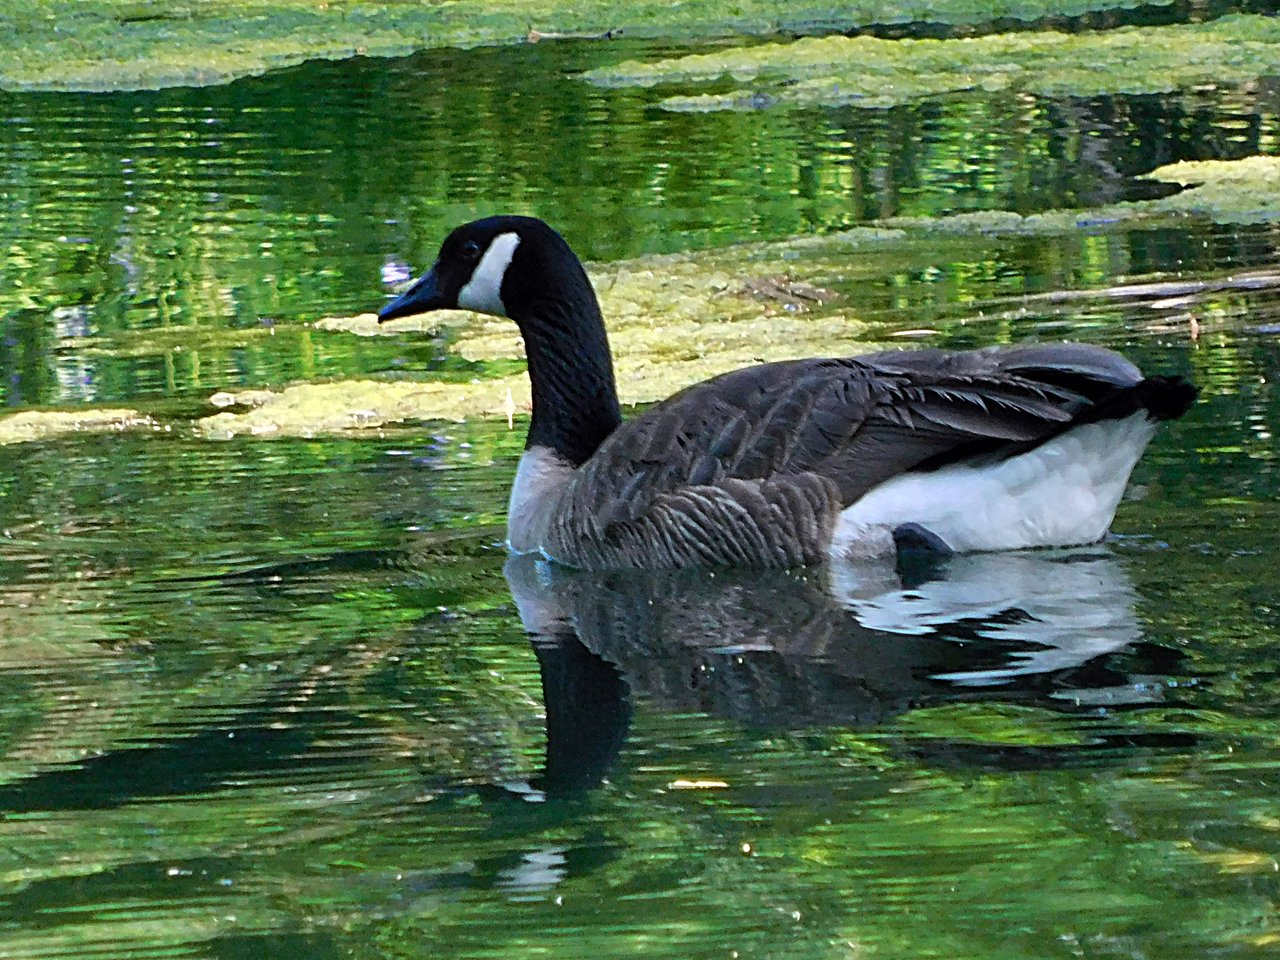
(288, 698)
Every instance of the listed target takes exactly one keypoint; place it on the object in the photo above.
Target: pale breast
(540, 482)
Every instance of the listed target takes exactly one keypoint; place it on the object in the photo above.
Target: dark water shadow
(837, 647)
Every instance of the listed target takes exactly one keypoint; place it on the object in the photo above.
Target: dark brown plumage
(753, 467)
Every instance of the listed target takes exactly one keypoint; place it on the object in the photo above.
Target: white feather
(1060, 493)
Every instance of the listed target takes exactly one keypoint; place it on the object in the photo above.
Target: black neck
(575, 399)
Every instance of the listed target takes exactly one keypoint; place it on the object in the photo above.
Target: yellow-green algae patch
(673, 320)
(1223, 191)
(870, 72)
(367, 324)
(311, 409)
(44, 424)
(1228, 191)
(146, 44)
(676, 319)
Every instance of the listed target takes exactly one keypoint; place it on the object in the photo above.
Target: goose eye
(470, 250)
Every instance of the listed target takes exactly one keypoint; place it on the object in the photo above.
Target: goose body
(792, 463)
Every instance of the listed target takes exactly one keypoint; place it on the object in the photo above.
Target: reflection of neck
(575, 399)
(588, 712)
(587, 701)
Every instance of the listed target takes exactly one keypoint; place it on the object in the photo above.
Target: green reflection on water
(170, 244)
(327, 752)
(275, 699)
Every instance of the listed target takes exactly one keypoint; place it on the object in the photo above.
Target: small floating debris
(1167, 292)
(395, 271)
(697, 785)
(509, 408)
(789, 292)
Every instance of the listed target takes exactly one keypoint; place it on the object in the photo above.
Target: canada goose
(790, 463)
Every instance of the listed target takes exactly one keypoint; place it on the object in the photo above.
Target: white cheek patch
(483, 291)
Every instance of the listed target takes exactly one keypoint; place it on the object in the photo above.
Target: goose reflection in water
(846, 646)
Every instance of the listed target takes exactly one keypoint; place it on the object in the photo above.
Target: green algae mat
(870, 72)
(146, 44)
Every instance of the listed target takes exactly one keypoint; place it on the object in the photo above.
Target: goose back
(755, 467)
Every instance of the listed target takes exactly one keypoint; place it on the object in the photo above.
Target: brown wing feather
(753, 466)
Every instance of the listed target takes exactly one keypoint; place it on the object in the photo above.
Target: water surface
(281, 698)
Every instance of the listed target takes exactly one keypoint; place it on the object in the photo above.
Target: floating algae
(311, 409)
(676, 319)
(148, 44)
(1223, 191)
(866, 71)
(673, 320)
(45, 424)
(1227, 191)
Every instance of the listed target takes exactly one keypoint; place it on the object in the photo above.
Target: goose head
(507, 266)
(520, 268)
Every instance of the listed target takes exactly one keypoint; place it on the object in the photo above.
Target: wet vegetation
(264, 682)
(865, 71)
(148, 44)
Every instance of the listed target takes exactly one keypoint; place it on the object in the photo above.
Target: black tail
(1161, 397)
(1165, 398)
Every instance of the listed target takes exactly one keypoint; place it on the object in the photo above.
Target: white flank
(540, 478)
(483, 292)
(1063, 492)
